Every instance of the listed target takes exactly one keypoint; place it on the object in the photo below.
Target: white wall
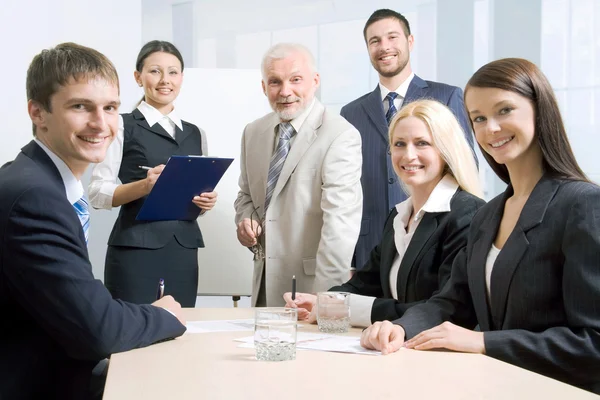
(113, 27)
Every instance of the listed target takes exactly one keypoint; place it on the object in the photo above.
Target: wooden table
(211, 366)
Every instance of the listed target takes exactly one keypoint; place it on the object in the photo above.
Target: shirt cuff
(103, 197)
(360, 310)
(170, 312)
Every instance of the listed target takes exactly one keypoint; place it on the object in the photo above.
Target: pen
(161, 289)
(144, 167)
(294, 287)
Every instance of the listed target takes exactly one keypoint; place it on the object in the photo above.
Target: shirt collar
(73, 187)
(401, 90)
(438, 201)
(153, 116)
(300, 119)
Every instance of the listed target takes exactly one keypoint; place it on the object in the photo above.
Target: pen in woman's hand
(144, 167)
(161, 289)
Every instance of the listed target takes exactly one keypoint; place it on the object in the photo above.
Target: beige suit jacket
(313, 220)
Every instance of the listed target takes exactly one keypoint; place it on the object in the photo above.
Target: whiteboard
(222, 102)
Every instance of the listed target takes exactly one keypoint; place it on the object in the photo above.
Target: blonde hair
(448, 138)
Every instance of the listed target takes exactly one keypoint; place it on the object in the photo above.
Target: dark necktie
(392, 110)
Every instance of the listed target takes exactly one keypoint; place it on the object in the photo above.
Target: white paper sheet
(322, 342)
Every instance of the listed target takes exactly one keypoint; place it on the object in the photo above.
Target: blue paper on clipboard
(183, 178)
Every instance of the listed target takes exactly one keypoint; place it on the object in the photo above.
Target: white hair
(284, 50)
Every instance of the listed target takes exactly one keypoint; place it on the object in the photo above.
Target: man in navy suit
(389, 41)
(58, 322)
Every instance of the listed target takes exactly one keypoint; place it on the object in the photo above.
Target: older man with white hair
(300, 201)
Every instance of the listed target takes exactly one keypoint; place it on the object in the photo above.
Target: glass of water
(333, 312)
(275, 333)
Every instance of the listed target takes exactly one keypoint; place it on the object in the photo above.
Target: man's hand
(170, 304)
(383, 336)
(245, 232)
(206, 201)
(448, 336)
(152, 175)
(305, 303)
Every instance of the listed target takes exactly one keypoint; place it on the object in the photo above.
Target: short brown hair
(523, 77)
(54, 67)
(385, 13)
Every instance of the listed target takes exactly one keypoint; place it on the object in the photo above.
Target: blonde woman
(423, 234)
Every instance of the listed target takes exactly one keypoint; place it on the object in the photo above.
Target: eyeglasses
(257, 249)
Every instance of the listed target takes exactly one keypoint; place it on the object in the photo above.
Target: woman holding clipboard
(140, 253)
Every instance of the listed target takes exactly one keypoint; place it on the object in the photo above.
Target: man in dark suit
(389, 42)
(58, 322)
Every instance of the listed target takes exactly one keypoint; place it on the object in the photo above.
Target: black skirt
(132, 274)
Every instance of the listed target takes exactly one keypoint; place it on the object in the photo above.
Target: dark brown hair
(53, 68)
(155, 46)
(526, 79)
(384, 13)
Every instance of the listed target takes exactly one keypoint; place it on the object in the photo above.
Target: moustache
(289, 99)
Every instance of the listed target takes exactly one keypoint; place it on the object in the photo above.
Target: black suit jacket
(544, 313)
(381, 188)
(426, 265)
(57, 320)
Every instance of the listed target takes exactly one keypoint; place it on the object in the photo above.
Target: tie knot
(391, 96)
(286, 131)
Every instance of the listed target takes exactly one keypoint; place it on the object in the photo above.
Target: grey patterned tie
(286, 132)
(391, 96)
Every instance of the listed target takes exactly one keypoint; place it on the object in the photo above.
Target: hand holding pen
(152, 175)
(168, 302)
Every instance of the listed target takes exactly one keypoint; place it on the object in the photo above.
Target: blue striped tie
(286, 132)
(392, 110)
(83, 212)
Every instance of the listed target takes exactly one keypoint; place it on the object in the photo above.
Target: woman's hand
(152, 176)
(448, 336)
(206, 201)
(305, 303)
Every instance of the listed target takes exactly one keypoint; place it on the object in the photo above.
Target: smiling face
(416, 160)
(290, 85)
(389, 48)
(82, 124)
(161, 77)
(504, 124)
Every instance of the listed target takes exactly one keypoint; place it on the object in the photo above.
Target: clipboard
(183, 178)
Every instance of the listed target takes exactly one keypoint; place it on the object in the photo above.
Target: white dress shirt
(401, 90)
(105, 175)
(489, 266)
(438, 201)
(73, 186)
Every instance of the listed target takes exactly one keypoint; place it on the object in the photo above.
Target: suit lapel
(157, 128)
(306, 136)
(482, 242)
(416, 90)
(515, 247)
(426, 228)
(181, 135)
(374, 109)
(388, 253)
(266, 138)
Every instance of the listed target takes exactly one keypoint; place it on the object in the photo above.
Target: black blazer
(57, 320)
(378, 176)
(146, 145)
(544, 313)
(426, 265)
